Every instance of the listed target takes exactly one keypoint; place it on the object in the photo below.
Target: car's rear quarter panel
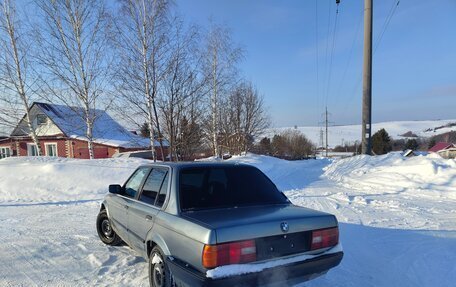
(181, 238)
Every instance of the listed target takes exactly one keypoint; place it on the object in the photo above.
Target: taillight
(229, 253)
(324, 238)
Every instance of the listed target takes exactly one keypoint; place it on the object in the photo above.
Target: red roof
(441, 146)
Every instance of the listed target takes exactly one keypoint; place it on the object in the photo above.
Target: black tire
(159, 273)
(105, 231)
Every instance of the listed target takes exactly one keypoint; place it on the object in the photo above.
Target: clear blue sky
(414, 66)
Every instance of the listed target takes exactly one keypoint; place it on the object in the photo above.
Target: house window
(41, 119)
(51, 149)
(5, 152)
(32, 150)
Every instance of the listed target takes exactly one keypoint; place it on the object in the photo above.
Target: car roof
(190, 164)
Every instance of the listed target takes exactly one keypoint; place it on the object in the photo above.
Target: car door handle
(149, 218)
(126, 206)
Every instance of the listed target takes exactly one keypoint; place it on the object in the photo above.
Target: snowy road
(57, 245)
(388, 240)
(399, 237)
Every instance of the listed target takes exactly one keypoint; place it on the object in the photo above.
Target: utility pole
(321, 138)
(326, 124)
(366, 143)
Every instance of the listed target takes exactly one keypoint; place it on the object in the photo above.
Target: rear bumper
(293, 273)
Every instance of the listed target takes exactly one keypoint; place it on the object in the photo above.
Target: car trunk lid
(278, 230)
(266, 222)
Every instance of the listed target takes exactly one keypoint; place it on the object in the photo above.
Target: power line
(332, 52)
(391, 13)
(354, 92)
(326, 52)
(385, 25)
(317, 54)
(355, 35)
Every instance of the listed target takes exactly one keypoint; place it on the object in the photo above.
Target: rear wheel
(105, 231)
(159, 274)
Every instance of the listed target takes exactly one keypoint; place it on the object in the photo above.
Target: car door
(141, 216)
(119, 205)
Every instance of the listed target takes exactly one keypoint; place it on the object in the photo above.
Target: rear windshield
(216, 187)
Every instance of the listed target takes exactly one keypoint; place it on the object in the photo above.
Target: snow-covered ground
(397, 219)
(341, 134)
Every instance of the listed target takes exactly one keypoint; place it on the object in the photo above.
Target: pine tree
(381, 142)
(265, 146)
(145, 130)
(412, 144)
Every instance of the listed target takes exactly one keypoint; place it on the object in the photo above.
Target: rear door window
(163, 192)
(153, 186)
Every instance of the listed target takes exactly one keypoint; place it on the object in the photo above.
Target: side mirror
(115, 188)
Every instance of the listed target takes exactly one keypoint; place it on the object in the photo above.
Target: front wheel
(159, 274)
(105, 231)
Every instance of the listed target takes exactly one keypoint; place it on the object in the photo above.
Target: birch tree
(16, 80)
(143, 48)
(74, 55)
(221, 57)
(182, 88)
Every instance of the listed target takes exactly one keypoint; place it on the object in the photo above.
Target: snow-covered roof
(105, 129)
(408, 152)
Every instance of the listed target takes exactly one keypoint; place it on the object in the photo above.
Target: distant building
(61, 132)
(444, 149)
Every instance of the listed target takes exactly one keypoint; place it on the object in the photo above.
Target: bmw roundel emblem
(284, 226)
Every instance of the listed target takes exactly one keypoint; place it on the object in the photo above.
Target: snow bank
(52, 179)
(287, 175)
(397, 219)
(394, 173)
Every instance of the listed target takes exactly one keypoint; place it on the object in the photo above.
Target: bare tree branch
(221, 57)
(13, 72)
(74, 58)
(142, 44)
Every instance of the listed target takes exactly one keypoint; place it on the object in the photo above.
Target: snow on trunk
(240, 269)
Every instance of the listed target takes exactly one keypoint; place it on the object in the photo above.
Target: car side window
(134, 183)
(163, 191)
(152, 185)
